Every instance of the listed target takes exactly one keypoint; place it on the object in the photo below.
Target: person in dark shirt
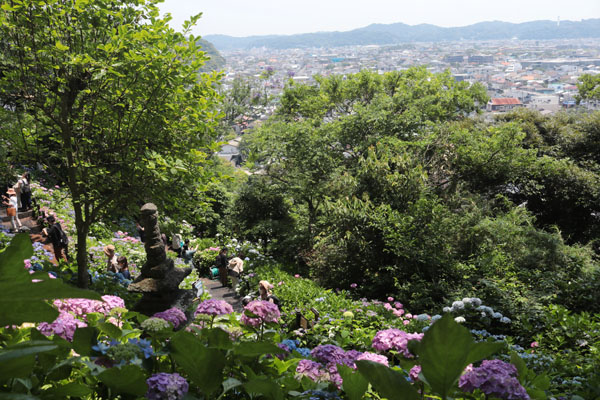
(55, 234)
(222, 262)
(124, 267)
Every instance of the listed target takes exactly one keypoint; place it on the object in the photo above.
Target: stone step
(31, 224)
(21, 215)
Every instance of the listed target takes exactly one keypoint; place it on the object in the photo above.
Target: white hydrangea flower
(458, 305)
(460, 320)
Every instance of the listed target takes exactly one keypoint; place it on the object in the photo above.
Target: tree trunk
(311, 220)
(82, 227)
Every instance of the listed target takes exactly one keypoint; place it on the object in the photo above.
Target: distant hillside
(399, 33)
(216, 62)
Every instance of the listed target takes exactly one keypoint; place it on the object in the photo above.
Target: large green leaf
(129, 379)
(26, 301)
(354, 384)
(217, 338)
(252, 349)
(203, 365)
(72, 389)
(444, 352)
(110, 329)
(264, 386)
(389, 383)
(84, 339)
(18, 361)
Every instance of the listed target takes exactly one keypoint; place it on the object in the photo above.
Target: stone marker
(159, 280)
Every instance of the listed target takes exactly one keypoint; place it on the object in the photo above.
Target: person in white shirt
(236, 267)
(176, 244)
(13, 208)
(112, 264)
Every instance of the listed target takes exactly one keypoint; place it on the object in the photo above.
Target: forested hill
(398, 33)
(216, 61)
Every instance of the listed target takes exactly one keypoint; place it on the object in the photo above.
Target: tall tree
(589, 87)
(121, 113)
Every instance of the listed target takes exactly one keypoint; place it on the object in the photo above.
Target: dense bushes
(385, 187)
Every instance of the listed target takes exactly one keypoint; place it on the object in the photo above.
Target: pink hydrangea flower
(378, 358)
(390, 299)
(297, 276)
(395, 339)
(64, 326)
(265, 311)
(82, 307)
(398, 305)
(534, 344)
(398, 313)
(414, 372)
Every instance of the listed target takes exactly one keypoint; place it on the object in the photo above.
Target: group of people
(229, 268)
(116, 265)
(18, 198)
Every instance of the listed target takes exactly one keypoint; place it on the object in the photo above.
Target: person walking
(58, 238)
(12, 211)
(222, 263)
(236, 267)
(25, 190)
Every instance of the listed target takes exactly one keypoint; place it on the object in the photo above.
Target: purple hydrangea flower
(265, 311)
(163, 386)
(172, 315)
(327, 353)
(395, 339)
(64, 326)
(494, 378)
(214, 307)
(310, 369)
(350, 356)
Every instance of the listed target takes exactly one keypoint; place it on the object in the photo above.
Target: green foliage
(390, 383)
(203, 365)
(444, 352)
(589, 87)
(25, 300)
(122, 115)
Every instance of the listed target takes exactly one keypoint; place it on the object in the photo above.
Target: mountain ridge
(396, 33)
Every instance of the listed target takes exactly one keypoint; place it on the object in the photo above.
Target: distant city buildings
(540, 75)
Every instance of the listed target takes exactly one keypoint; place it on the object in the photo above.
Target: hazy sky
(262, 17)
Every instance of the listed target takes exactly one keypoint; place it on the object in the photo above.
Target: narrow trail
(31, 226)
(219, 292)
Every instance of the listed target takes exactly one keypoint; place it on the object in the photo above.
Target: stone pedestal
(159, 280)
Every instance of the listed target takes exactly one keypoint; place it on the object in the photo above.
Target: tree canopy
(120, 112)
